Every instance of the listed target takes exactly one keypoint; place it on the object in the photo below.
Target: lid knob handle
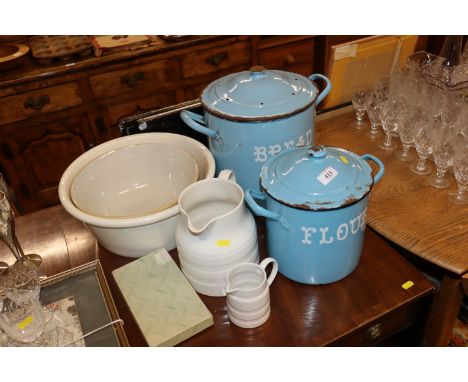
(257, 71)
(316, 151)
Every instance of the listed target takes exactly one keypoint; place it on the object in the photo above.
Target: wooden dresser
(51, 114)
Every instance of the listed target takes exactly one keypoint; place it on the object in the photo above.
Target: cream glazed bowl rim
(82, 178)
(125, 222)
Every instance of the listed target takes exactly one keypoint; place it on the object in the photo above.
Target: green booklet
(162, 301)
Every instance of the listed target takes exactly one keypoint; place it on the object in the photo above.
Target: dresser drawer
(217, 59)
(295, 57)
(158, 101)
(27, 105)
(135, 79)
(387, 325)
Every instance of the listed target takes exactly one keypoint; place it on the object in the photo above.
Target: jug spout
(230, 290)
(197, 229)
(224, 214)
(193, 222)
(208, 201)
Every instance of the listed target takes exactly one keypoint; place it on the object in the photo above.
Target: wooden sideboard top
(31, 70)
(402, 207)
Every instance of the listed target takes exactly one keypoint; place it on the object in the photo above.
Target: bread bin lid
(316, 177)
(259, 94)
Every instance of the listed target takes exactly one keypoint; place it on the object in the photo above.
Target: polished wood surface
(414, 215)
(62, 241)
(32, 70)
(403, 208)
(341, 313)
(338, 314)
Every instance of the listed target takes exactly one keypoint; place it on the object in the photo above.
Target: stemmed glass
(359, 98)
(382, 89)
(442, 153)
(451, 109)
(423, 144)
(387, 113)
(460, 170)
(373, 110)
(21, 315)
(407, 129)
(7, 226)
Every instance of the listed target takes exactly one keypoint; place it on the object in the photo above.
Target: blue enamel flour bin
(316, 203)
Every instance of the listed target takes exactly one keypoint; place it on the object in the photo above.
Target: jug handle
(260, 211)
(227, 174)
(195, 121)
(274, 269)
(325, 91)
(379, 163)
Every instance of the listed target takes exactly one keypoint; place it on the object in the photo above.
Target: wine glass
(423, 144)
(451, 109)
(382, 89)
(407, 129)
(460, 170)
(7, 227)
(374, 119)
(21, 314)
(359, 99)
(442, 153)
(387, 114)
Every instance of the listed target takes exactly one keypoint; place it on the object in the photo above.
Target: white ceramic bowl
(135, 236)
(149, 179)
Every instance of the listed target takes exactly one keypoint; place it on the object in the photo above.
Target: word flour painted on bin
(262, 153)
(343, 231)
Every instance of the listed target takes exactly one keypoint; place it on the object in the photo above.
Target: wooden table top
(402, 207)
(302, 315)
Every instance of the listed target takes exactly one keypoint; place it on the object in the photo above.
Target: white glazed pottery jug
(248, 293)
(215, 232)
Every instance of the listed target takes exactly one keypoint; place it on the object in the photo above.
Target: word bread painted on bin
(342, 232)
(262, 153)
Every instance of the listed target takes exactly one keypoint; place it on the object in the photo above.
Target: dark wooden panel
(138, 106)
(290, 57)
(47, 100)
(134, 79)
(201, 63)
(38, 153)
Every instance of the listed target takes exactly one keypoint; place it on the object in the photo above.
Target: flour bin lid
(316, 177)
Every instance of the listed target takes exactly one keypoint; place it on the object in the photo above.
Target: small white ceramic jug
(248, 293)
(215, 232)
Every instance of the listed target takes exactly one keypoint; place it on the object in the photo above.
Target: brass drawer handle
(101, 125)
(217, 58)
(289, 59)
(374, 331)
(132, 80)
(37, 103)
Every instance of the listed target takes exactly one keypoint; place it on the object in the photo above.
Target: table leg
(446, 308)
(464, 282)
